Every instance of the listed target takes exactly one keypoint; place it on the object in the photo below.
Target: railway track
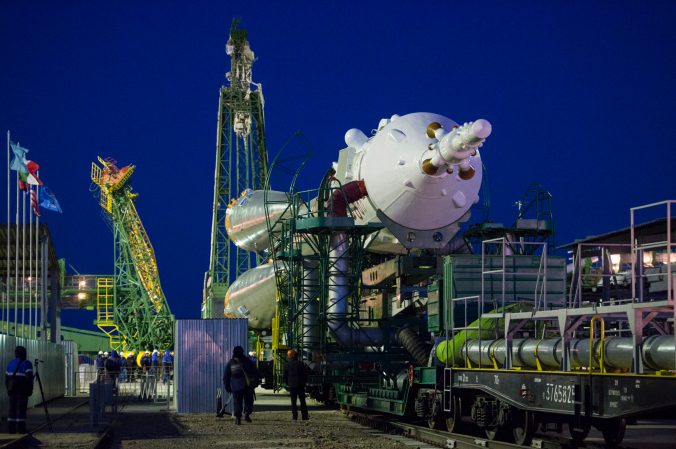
(386, 425)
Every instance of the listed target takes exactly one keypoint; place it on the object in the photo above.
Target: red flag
(34, 202)
(32, 177)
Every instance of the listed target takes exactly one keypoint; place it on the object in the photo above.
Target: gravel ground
(325, 429)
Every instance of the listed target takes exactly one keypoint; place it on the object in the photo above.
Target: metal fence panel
(52, 371)
(202, 349)
(71, 367)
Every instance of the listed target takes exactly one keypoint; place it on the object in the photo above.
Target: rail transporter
(395, 313)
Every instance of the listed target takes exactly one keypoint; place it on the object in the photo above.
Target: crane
(131, 307)
(241, 163)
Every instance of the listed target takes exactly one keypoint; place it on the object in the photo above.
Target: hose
(415, 345)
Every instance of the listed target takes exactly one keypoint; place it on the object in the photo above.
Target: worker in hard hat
(155, 360)
(167, 366)
(123, 368)
(147, 378)
(113, 369)
(131, 366)
(295, 376)
(99, 364)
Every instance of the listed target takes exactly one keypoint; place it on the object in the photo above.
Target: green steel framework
(140, 324)
(139, 313)
(303, 264)
(241, 163)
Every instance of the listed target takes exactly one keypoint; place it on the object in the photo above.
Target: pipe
(349, 193)
(657, 352)
(338, 297)
(338, 275)
(308, 303)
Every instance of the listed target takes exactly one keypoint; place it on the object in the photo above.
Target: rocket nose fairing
(422, 173)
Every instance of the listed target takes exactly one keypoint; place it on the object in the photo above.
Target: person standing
(155, 361)
(19, 385)
(131, 366)
(145, 375)
(123, 368)
(295, 376)
(240, 379)
(98, 363)
(113, 368)
(167, 366)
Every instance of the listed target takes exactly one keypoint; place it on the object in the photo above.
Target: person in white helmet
(99, 363)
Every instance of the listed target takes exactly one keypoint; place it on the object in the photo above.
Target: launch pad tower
(241, 163)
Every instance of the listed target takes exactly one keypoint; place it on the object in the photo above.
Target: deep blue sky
(581, 95)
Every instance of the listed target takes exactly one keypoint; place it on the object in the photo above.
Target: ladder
(105, 311)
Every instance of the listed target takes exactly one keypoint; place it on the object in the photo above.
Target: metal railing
(504, 247)
(153, 384)
(668, 245)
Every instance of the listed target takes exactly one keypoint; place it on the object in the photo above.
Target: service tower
(241, 163)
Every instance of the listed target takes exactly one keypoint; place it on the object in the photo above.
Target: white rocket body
(421, 210)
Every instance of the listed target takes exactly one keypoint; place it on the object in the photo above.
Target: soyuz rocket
(418, 175)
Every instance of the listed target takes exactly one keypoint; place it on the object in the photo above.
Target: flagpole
(16, 253)
(9, 199)
(23, 264)
(30, 272)
(38, 286)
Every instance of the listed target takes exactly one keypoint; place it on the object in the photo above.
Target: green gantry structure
(241, 163)
(131, 307)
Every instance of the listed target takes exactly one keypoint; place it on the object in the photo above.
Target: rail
(457, 440)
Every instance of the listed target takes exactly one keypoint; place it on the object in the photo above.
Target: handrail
(601, 344)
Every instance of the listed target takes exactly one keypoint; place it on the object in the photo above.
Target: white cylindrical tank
(245, 220)
(422, 173)
(252, 296)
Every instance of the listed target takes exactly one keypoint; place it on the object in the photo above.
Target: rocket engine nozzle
(454, 147)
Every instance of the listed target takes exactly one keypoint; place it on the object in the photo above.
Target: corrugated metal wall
(72, 365)
(203, 347)
(52, 371)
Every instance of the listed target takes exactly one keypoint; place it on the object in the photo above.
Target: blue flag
(48, 200)
(18, 163)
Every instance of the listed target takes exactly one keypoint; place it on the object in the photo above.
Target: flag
(18, 163)
(30, 176)
(48, 200)
(34, 202)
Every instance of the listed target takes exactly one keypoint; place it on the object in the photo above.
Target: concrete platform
(70, 422)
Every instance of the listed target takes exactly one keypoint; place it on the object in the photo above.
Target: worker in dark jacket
(19, 384)
(146, 379)
(113, 365)
(167, 366)
(295, 376)
(100, 369)
(240, 379)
